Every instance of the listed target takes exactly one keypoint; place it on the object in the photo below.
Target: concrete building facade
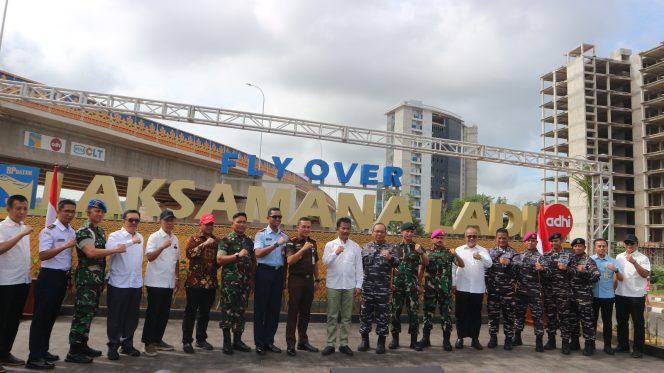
(608, 109)
(429, 176)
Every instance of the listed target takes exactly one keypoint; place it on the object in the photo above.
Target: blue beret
(555, 235)
(98, 204)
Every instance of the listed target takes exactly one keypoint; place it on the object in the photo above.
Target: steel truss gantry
(601, 205)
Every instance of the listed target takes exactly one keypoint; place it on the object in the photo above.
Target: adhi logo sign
(56, 144)
(558, 218)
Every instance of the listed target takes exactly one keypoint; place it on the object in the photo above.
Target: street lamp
(4, 17)
(260, 143)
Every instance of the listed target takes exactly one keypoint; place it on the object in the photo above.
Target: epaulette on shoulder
(51, 226)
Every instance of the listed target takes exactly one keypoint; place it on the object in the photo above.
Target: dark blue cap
(578, 241)
(555, 235)
(166, 214)
(408, 227)
(97, 203)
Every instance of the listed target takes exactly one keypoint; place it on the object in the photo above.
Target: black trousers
(157, 314)
(123, 309)
(12, 301)
(468, 314)
(199, 302)
(300, 297)
(633, 307)
(605, 307)
(49, 293)
(267, 303)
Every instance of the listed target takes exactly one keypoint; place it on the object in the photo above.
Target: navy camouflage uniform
(500, 289)
(557, 293)
(236, 280)
(375, 305)
(529, 289)
(89, 283)
(438, 288)
(406, 288)
(581, 300)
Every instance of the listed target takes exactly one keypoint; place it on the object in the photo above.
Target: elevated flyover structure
(95, 103)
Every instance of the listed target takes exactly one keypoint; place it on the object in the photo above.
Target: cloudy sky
(340, 61)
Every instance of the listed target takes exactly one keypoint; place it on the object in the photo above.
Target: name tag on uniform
(60, 240)
(268, 239)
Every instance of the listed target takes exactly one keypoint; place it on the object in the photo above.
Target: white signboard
(88, 151)
(39, 141)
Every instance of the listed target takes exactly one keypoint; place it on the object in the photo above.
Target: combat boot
(516, 341)
(539, 347)
(380, 346)
(589, 348)
(551, 343)
(447, 346)
(508, 344)
(76, 355)
(364, 345)
(395, 341)
(493, 341)
(238, 344)
(566, 349)
(425, 341)
(574, 344)
(89, 351)
(414, 344)
(228, 346)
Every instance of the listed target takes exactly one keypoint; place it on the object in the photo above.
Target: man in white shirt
(55, 245)
(163, 254)
(343, 259)
(470, 288)
(631, 296)
(125, 285)
(15, 275)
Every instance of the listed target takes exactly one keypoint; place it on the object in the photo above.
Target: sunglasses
(133, 220)
(276, 216)
(471, 236)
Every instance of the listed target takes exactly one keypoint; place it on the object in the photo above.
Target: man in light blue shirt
(603, 294)
(269, 247)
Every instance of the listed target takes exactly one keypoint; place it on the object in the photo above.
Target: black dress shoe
(272, 348)
(346, 350)
(188, 348)
(306, 347)
(12, 360)
(328, 350)
(291, 351)
(621, 349)
(260, 350)
(459, 344)
(637, 354)
(113, 354)
(608, 350)
(50, 357)
(131, 351)
(476, 344)
(39, 364)
(204, 345)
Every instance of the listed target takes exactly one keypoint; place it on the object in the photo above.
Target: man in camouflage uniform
(529, 268)
(500, 288)
(406, 286)
(438, 288)
(238, 261)
(91, 252)
(378, 259)
(557, 292)
(584, 274)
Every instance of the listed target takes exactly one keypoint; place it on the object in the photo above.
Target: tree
(449, 216)
(395, 228)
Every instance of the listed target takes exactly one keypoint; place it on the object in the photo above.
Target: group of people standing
(573, 287)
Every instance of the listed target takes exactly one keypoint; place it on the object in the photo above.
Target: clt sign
(318, 170)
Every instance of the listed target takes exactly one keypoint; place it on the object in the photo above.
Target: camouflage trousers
(444, 303)
(523, 301)
(405, 295)
(501, 304)
(375, 307)
(581, 310)
(556, 305)
(234, 300)
(90, 285)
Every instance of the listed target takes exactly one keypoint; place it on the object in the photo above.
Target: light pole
(4, 16)
(260, 143)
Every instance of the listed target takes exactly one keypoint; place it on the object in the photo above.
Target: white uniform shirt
(14, 263)
(470, 277)
(161, 271)
(56, 235)
(344, 271)
(126, 268)
(632, 285)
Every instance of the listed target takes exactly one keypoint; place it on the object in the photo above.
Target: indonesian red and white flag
(543, 244)
(51, 211)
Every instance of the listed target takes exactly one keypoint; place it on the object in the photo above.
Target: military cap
(578, 241)
(97, 203)
(555, 235)
(529, 235)
(407, 227)
(438, 232)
